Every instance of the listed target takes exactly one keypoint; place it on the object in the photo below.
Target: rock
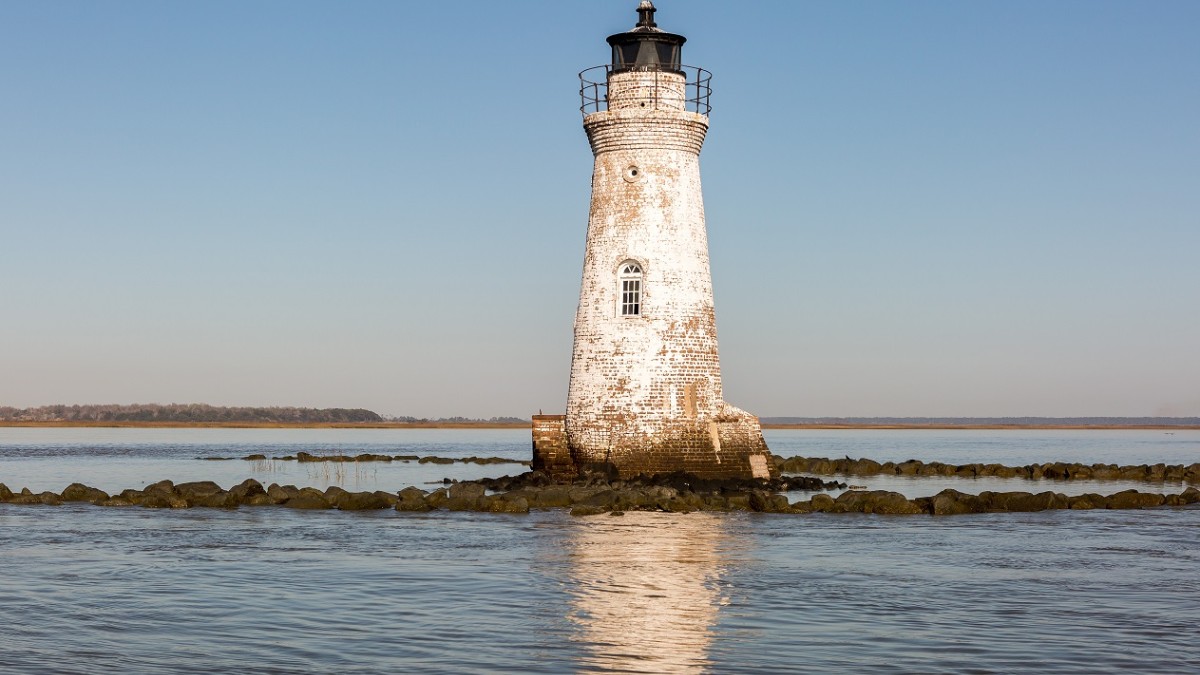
(205, 493)
(821, 466)
(436, 460)
(1087, 501)
(389, 497)
(132, 496)
(334, 494)
(24, 497)
(791, 465)
(952, 503)
(437, 499)
(1055, 471)
(821, 503)
(49, 498)
(602, 497)
(162, 485)
(307, 502)
(1132, 499)
(877, 501)
(308, 498)
(41, 498)
(406, 458)
(587, 510)
(504, 504)
(801, 506)
(262, 499)
(281, 493)
(464, 496)
(736, 500)
(582, 493)
(1132, 472)
(1041, 501)
(1022, 501)
(255, 457)
(1190, 495)
(552, 496)
(162, 495)
(412, 499)
(115, 501)
(364, 501)
(863, 467)
(466, 490)
(1001, 471)
(5, 493)
(761, 501)
(244, 491)
(1153, 472)
(677, 505)
(163, 500)
(1079, 472)
(931, 469)
(78, 492)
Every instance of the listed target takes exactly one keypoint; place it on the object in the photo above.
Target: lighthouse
(645, 393)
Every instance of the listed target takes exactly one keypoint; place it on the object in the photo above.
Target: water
(115, 459)
(101, 590)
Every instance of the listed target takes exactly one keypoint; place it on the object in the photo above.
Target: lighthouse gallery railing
(593, 90)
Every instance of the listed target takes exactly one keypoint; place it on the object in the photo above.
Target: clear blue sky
(914, 208)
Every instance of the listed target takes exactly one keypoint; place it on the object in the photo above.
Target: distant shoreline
(526, 425)
(271, 425)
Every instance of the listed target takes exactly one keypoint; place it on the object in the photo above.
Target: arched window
(629, 280)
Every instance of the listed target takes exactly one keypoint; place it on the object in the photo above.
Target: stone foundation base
(729, 445)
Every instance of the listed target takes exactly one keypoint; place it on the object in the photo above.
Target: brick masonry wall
(551, 454)
(645, 392)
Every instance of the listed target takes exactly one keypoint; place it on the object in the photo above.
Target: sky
(914, 208)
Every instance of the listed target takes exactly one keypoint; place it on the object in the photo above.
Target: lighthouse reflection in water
(647, 588)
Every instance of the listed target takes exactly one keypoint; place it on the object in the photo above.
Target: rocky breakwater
(675, 493)
(166, 494)
(510, 494)
(953, 502)
(1052, 470)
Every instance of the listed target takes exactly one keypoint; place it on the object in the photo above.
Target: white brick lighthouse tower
(645, 392)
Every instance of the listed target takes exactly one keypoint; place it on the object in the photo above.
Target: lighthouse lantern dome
(646, 46)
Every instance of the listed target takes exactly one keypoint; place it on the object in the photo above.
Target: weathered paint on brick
(645, 393)
(551, 454)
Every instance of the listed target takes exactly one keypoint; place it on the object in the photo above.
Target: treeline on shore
(204, 414)
(986, 421)
(458, 420)
(189, 413)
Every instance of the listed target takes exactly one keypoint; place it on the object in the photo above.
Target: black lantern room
(646, 47)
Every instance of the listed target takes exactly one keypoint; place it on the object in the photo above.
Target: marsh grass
(266, 466)
(339, 472)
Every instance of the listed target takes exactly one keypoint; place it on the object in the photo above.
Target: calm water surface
(95, 590)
